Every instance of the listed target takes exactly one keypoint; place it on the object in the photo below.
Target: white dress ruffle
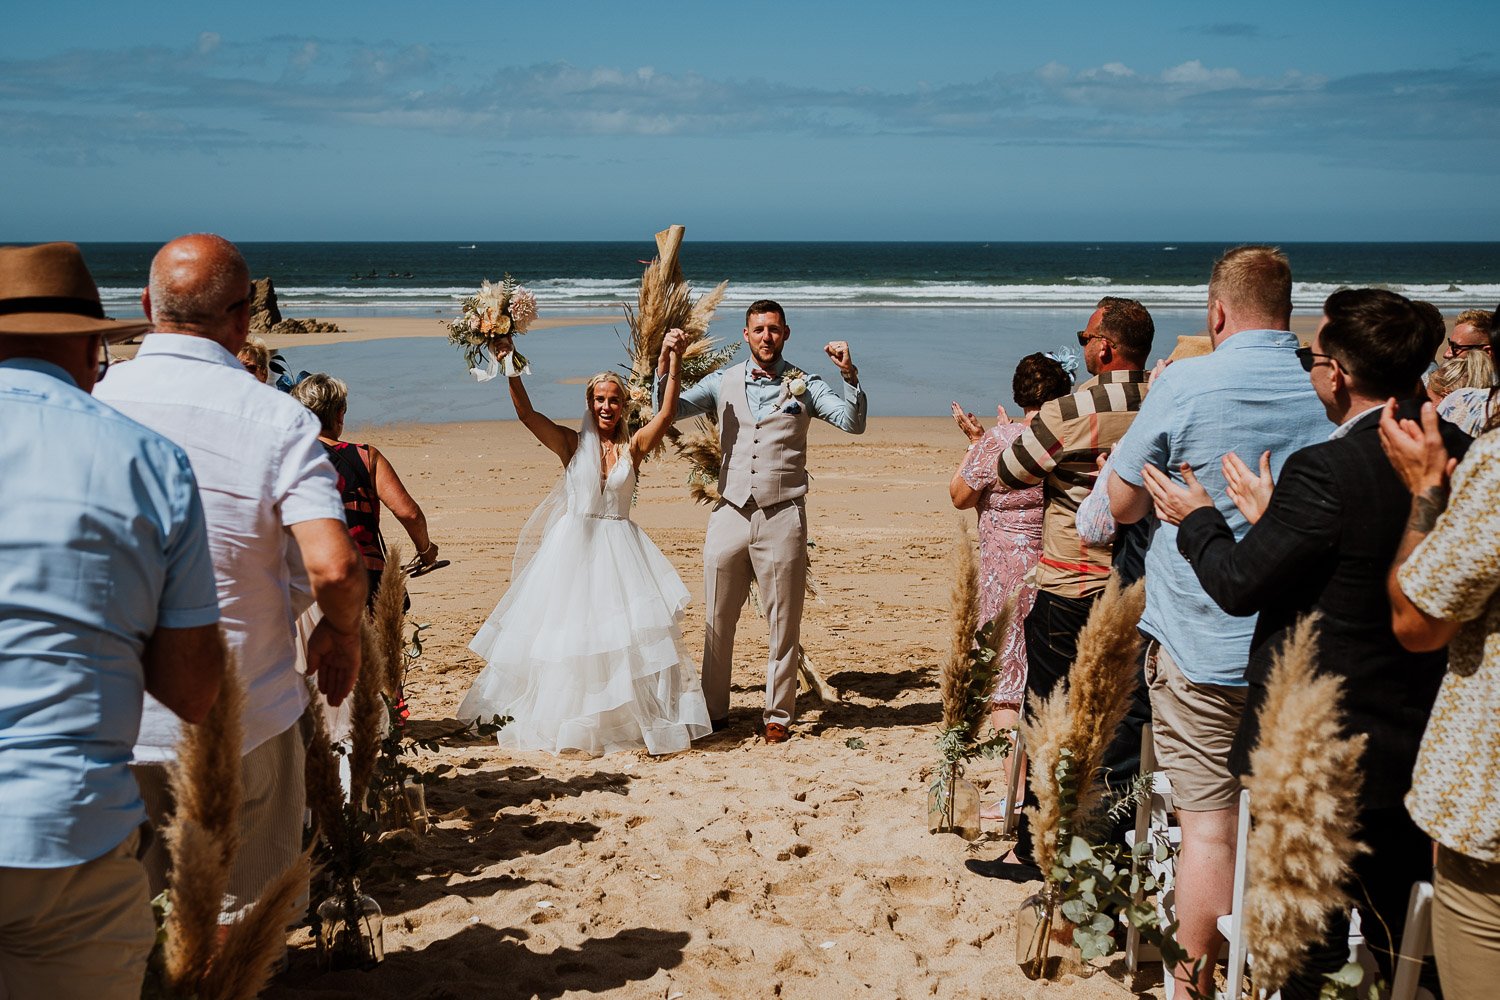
(585, 650)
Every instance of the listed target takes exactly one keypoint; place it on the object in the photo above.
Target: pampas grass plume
(388, 617)
(1101, 683)
(253, 946)
(1083, 713)
(368, 713)
(325, 792)
(964, 598)
(203, 834)
(1304, 787)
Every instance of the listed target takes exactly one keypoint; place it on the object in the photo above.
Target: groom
(758, 530)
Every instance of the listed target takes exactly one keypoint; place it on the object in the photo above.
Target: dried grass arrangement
(1076, 723)
(1066, 736)
(1304, 787)
(195, 958)
(665, 301)
(967, 680)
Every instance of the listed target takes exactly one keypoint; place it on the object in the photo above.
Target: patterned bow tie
(759, 373)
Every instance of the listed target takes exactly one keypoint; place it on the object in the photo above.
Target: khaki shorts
(1193, 726)
(83, 931)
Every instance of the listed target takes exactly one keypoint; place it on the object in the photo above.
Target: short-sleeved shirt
(260, 469)
(1249, 396)
(1059, 449)
(1454, 575)
(102, 542)
(846, 411)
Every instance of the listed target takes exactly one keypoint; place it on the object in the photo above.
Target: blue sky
(562, 120)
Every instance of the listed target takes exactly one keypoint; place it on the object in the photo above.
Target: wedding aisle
(735, 869)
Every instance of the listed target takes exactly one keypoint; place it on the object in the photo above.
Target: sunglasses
(1458, 350)
(1084, 337)
(103, 368)
(1305, 356)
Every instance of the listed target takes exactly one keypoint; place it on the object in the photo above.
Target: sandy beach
(736, 868)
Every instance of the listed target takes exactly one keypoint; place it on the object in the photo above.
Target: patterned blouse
(1468, 408)
(1010, 543)
(1454, 575)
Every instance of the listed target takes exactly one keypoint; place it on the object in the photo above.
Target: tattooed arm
(1417, 453)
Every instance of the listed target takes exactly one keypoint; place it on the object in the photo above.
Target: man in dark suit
(1322, 541)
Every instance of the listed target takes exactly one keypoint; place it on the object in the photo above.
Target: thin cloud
(233, 92)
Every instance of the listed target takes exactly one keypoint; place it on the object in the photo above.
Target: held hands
(1416, 451)
(502, 344)
(1251, 493)
(672, 345)
(333, 656)
(1173, 502)
(838, 352)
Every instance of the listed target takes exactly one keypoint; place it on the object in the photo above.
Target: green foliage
(1344, 984)
(957, 745)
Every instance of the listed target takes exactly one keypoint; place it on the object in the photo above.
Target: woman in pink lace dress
(1010, 528)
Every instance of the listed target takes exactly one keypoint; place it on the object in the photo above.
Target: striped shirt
(1059, 450)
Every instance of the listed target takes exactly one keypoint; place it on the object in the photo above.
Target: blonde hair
(1470, 370)
(327, 397)
(588, 397)
(1256, 280)
(257, 353)
(1482, 320)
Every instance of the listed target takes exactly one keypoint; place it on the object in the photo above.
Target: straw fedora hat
(47, 289)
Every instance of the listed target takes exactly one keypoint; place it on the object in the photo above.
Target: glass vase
(953, 807)
(1044, 940)
(351, 932)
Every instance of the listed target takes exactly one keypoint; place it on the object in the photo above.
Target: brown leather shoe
(777, 733)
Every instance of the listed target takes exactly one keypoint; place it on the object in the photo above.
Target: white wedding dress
(585, 650)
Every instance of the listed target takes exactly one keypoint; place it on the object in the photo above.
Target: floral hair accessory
(1066, 356)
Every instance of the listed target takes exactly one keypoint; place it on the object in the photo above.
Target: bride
(585, 649)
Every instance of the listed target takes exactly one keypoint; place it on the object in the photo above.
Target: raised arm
(645, 440)
(561, 441)
(846, 412)
(403, 507)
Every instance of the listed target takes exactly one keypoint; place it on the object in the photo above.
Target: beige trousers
(270, 818)
(1466, 925)
(767, 545)
(82, 931)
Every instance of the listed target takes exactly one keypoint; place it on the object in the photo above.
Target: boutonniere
(793, 386)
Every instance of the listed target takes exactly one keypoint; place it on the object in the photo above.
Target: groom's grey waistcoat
(765, 461)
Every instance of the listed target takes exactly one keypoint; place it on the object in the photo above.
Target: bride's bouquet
(497, 310)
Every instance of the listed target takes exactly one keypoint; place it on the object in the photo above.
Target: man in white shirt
(271, 500)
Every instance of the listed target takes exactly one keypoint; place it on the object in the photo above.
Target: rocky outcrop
(306, 326)
(266, 318)
(264, 313)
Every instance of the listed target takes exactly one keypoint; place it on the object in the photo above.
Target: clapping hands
(1251, 493)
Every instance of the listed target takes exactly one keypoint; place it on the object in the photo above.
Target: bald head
(200, 285)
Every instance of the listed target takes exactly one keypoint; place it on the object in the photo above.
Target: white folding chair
(1012, 815)
(1153, 820)
(1416, 944)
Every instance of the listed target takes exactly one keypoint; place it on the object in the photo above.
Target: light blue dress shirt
(1249, 396)
(102, 541)
(846, 411)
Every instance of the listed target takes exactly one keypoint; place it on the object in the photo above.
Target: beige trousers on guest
(1466, 925)
(83, 931)
(767, 545)
(270, 819)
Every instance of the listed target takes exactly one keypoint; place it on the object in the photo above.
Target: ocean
(405, 279)
(928, 323)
